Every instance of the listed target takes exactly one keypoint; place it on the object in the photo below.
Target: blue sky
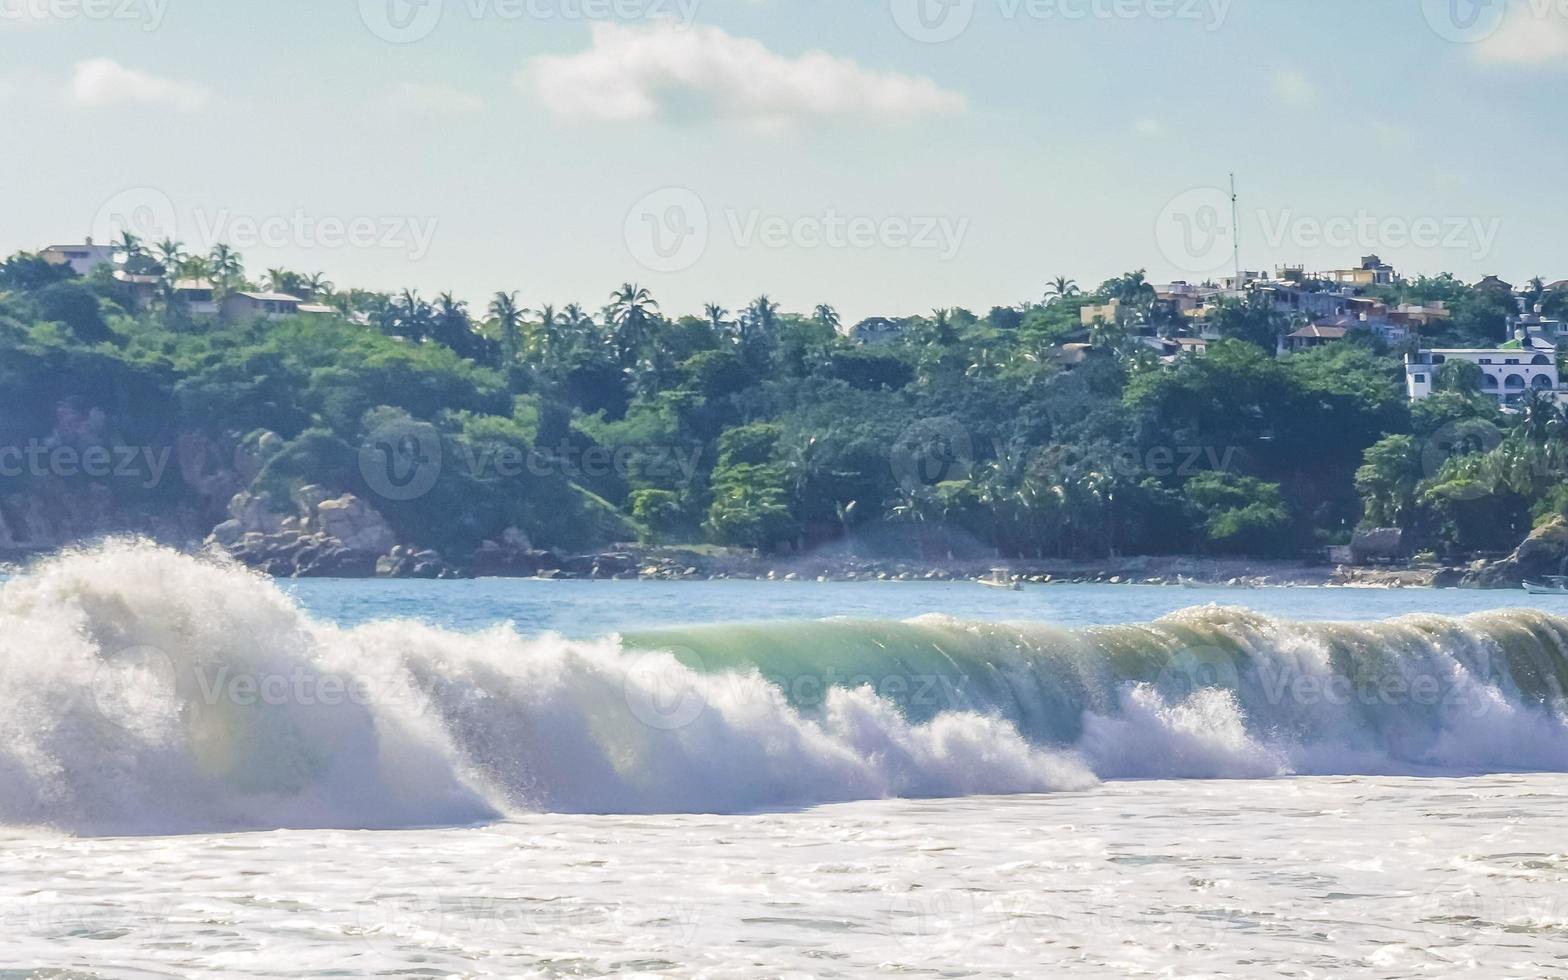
(839, 151)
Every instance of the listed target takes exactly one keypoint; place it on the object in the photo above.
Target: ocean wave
(148, 692)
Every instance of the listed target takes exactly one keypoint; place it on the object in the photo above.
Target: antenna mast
(1235, 229)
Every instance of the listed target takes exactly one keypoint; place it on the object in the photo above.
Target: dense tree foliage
(963, 435)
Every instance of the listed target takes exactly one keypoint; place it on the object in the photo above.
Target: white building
(82, 259)
(875, 330)
(198, 295)
(1506, 374)
(244, 306)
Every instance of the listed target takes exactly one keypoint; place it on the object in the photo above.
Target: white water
(150, 693)
(1314, 877)
(143, 693)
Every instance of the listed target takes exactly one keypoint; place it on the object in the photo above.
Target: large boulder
(1543, 553)
(405, 562)
(355, 525)
(1377, 544)
(308, 498)
(255, 513)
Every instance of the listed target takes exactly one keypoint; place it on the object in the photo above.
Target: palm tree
(131, 245)
(280, 280)
(226, 265)
(452, 327)
(508, 318)
(409, 316)
(718, 319)
(915, 505)
(987, 363)
(450, 306)
(631, 311)
(846, 514)
(170, 253)
(196, 267)
(1108, 335)
(547, 341)
(577, 326)
(943, 333)
(827, 316)
(1540, 415)
(1060, 288)
(317, 285)
(760, 321)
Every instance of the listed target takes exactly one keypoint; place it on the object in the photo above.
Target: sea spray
(149, 692)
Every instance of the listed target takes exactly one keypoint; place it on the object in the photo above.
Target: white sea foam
(147, 692)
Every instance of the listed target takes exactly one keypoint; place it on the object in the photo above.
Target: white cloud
(1148, 127)
(1530, 34)
(662, 70)
(1294, 88)
(103, 82)
(433, 97)
(1392, 136)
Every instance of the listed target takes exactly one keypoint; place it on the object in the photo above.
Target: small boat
(1188, 583)
(998, 580)
(1553, 585)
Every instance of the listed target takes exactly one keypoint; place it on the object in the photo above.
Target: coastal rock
(356, 525)
(513, 556)
(601, 566)
(1543, 553)
(228, 535)
(1377, 544)
(404, 562)
(328, 538)
(255, 514)
(515, 539)
(308, 498)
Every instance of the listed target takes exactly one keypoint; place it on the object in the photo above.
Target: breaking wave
(146, 692)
